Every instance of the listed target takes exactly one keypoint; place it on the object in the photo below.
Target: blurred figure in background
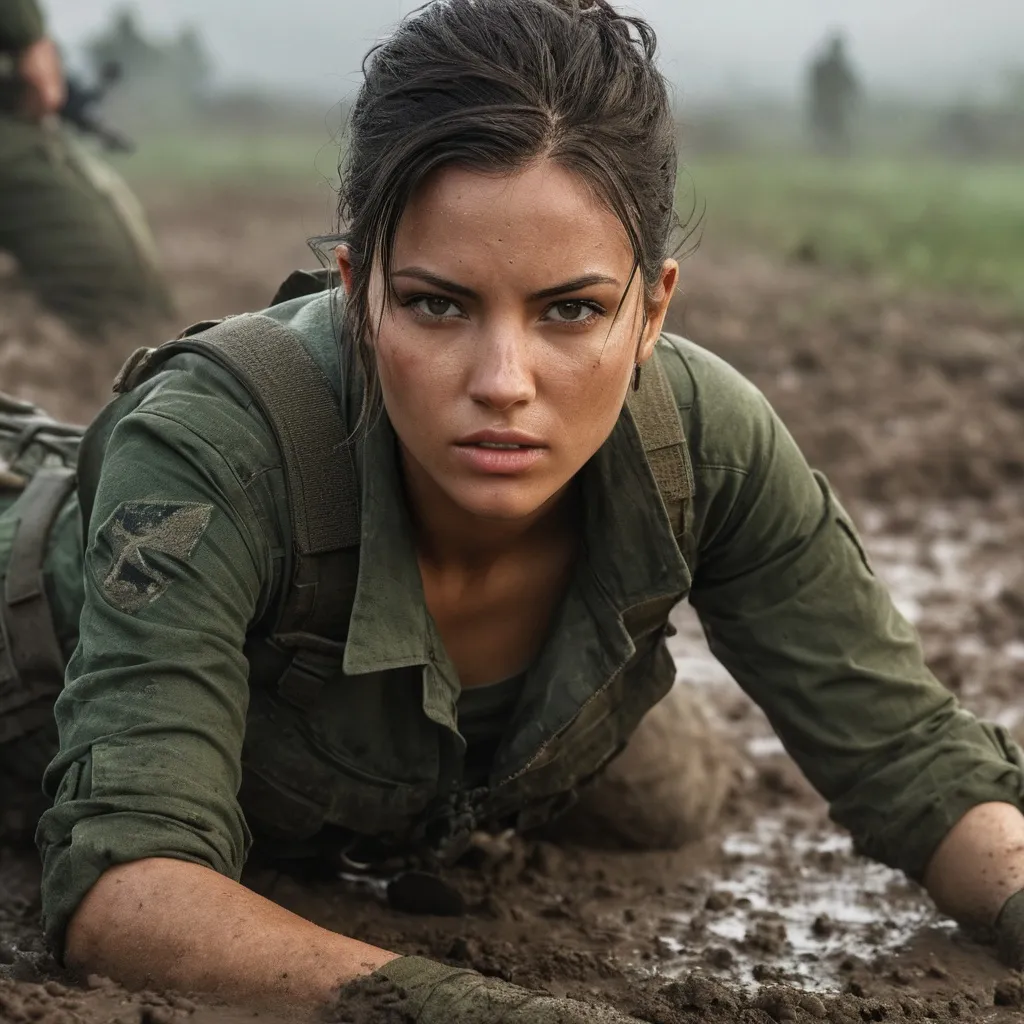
(77, 233)
(833, 91)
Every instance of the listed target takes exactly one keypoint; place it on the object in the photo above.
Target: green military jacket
(21, 24)
(174, 742)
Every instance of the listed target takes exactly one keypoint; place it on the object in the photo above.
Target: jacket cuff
(910, 849)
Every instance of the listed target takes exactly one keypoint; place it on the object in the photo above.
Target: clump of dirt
(698, 998)
(99, 1000)
(50, 1003)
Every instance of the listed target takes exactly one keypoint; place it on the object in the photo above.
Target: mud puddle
(787, 897)
(835, 906)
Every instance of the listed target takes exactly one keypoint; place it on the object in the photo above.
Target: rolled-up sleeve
(152, 717)
(792, 608)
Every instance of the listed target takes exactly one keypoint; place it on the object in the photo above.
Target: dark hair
(492, 85)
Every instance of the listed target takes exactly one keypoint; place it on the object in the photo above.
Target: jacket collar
(629, 558)
(390, 627)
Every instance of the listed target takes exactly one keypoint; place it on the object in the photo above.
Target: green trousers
(75, 230)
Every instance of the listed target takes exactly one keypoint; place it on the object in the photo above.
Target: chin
(508, 502)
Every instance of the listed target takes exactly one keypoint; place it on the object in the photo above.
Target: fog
(726, 48)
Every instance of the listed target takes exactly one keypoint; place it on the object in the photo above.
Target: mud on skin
(914, 406)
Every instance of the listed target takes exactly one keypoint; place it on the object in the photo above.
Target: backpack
(37, 477)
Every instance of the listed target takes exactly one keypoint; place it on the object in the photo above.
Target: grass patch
(921, 222)
(941, 225)
(302, 156)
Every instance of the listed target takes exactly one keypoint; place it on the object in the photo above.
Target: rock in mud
(1010, 991)
(667, 787)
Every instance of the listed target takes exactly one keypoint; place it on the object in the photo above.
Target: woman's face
(501, 368)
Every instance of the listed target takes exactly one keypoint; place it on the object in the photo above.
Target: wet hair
(493, 85)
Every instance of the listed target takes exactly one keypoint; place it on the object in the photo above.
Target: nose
(501, 375)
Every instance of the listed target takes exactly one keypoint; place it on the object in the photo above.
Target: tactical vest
(299, 649)
(306, 639)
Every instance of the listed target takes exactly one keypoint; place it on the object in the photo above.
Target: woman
(522, 522)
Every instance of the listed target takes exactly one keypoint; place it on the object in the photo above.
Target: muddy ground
(914, 406)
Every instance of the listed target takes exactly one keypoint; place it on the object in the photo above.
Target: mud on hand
(415, 990)
(1009, 931)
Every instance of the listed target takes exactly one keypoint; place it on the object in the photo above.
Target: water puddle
(795, 905)
(793, 901)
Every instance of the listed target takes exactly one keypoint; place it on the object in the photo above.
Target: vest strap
(295, 396)
(656, 417)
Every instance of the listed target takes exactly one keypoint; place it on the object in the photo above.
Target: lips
(502, 452)
(502, 439)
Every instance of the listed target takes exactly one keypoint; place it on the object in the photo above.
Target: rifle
(78, 108)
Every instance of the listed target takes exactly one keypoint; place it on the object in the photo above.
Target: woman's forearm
(979, 864)
(175, 924)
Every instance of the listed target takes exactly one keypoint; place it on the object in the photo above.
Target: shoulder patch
(140, 528)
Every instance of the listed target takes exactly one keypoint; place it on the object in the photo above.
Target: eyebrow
(587, 281)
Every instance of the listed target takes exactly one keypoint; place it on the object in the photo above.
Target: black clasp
(315, 661)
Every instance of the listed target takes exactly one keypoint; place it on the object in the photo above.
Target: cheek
(590, 397)
(404, 368)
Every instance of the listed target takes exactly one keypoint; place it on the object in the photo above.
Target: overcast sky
(939, 47)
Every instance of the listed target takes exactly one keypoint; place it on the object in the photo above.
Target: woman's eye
(435, 306)
(572, 311)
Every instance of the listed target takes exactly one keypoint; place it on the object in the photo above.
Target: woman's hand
(1009, 931)
(422, 991)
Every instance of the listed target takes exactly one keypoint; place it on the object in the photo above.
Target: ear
(657, 309)
(343, 257)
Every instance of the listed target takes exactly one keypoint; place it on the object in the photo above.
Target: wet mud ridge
(914, 407)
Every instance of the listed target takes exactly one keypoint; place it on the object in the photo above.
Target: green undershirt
(484, 714)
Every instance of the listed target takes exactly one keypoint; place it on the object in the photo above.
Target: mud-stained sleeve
(21, 24)
(152, 717)
(794, 611)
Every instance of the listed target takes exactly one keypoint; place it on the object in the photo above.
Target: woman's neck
(449, 537)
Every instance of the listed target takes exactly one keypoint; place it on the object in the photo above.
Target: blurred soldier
(833, 91)
(76, 231)
(125, 45)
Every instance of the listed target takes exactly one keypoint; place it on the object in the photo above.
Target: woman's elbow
(107, 915)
